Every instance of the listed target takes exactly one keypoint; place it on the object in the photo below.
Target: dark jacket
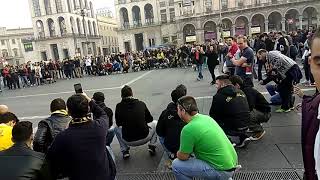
(134, 116)
(20, 162)
(255, 99)
(309, 130)
(282, 42)
(48, 129)
(230, 108)
(259, 45)
(212, 60)
(79, 152)
(170, 126)
(269, 44)
(106, 109)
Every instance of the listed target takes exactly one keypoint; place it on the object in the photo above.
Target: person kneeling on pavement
(260, 109)
(99, 98)
(170, 125)
(80, 152)
(135, 125)
(205, 150)
(51, 126)
(231, 111)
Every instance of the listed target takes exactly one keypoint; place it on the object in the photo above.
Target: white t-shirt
(317, 149)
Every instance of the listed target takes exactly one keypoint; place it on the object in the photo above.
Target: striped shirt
(280, 62)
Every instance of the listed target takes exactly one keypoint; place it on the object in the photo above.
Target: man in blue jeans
(214, 156)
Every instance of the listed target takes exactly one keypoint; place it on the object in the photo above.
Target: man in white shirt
(88, 65)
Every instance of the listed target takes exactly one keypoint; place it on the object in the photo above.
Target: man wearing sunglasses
(214, 155)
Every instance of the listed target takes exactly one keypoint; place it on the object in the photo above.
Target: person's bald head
(3, 109)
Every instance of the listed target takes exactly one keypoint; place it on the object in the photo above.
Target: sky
(16, 13)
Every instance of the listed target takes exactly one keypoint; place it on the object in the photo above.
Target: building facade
(186, 21)
(64, 28)
(16, 45)
(108, 28)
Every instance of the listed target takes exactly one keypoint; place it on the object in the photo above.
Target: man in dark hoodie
(231, 111)
(260, 109)
(135, 125)
(99, 98)
(170, 125)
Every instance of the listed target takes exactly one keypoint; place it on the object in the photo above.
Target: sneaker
(282, 111)
(198, 79)
(257, 136)
(126, 154)
(312, 84)
(305, 82)
(152, 150)
(243, 143)
(168, 164)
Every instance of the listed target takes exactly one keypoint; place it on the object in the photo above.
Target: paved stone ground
(280, 149)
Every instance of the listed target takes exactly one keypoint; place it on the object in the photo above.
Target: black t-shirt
(249, 55)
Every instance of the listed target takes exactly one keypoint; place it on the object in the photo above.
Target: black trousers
(211, 69)
(285, 89)
(307, 70)
(260, 65)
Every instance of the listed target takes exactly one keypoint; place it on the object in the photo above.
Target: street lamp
(82, 12)
(220, 19)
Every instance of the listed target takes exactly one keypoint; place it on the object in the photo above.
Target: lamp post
(220, 20)
(82, 13)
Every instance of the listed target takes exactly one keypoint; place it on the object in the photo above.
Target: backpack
(293, 51)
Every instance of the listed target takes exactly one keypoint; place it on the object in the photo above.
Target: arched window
(62, 25)
(52, 30)
(59, 6)
(36, 7)
(75, 6)
(15, 52)
(91, 8)
(73, 25)
(86, 4)
(69, 6)
(40, 29)
(47, 6)
(81, 4)
(94, 28)
(89, 28)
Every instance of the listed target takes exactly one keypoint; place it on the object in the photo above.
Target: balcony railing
(68, 35)
(137, 23)
(149, 21)
(127, 26)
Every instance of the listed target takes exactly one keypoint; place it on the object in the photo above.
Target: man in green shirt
(215, 158)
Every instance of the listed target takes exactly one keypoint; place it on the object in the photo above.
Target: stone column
(249, 30)
(300, 21)
(143, 16)
(233, 30)
(200, 36)
(53, 6)
(57, 27)
(130, 15)
(266, 25)
(283, 24)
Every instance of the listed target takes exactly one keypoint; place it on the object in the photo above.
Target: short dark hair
(126, 91)
(182, 89)
(98, 96)
(176, 94)
(58, 104)
(78, 106)
(236, 80)
(262, 51)
(188, 103)
(7, 117)
(22, 131)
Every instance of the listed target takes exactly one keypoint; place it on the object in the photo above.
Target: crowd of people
(74, 142)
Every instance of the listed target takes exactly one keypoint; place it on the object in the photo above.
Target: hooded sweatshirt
(134, 116)
(230, 108)
(170, 126)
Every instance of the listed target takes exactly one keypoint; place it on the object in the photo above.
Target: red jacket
(6, 72)
(233, 49)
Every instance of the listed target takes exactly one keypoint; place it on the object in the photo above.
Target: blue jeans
(186, 170)
(199, 68)
(275, 97)
(110, 136)
(161, 139)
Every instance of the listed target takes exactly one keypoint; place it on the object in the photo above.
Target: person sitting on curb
(51, 126)
(214, 155)
(170, 125)
(230, 109)
(7, 121)
(260, 109)
(135, 125)
(99, 98)
(20, 161)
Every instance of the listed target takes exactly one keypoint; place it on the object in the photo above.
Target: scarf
(62, 112)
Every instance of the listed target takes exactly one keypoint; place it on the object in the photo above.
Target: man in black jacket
(53, 125)
(170, 125)
(135, 125)
(260, 109)
(20, 161)
(79, 152)
(99, 98)
(231, 111)
(212, 61)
